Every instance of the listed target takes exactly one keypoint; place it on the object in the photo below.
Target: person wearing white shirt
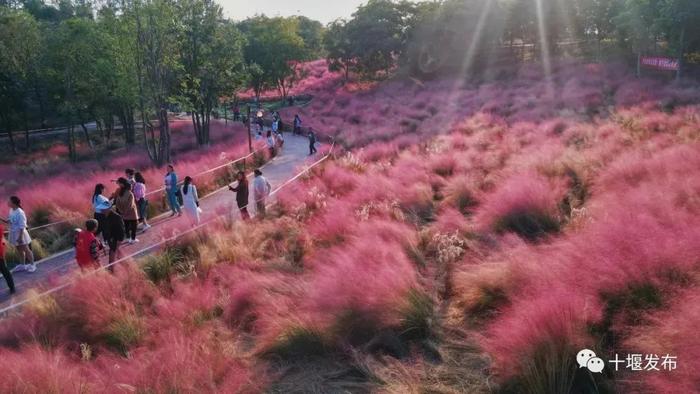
(261, 189)
(190, 200)
(19, 236)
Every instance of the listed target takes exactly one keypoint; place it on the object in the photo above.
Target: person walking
(171, 191)
(191, 200)
(88, 247)
(297, 124)
(261, 189)
(125, 203)
(141, 201)
(270, 141)
(98, 203)
(241, 191)
(3, 266)
(113, 233)
(18, 235)
(236, 113)
(312, 142)
(259, 119)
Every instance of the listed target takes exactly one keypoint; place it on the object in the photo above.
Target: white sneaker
(146, 227)
(30, 268)
(19, 268)
(135, 240)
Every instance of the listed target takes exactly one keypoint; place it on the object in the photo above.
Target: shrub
(526, 204)
(460, 194)
(161, 267)
(298, 342)
(124, 333)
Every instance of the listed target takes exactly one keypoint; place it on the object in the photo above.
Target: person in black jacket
(312, 142)
(241, 194)
(113, 233)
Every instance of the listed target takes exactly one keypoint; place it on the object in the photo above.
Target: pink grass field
(478, 234)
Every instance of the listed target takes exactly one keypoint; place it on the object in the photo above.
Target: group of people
(116, 217)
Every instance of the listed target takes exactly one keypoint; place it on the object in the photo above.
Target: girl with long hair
(18, 235)
(126, 207)
(141, 201)
(190, 200)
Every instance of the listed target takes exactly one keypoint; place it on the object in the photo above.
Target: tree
(312, 33)
(371, 41)
(158, 69)
(680, 22)
(377, 32)
(120, 85)
(81, 81)
(20, 44)
(340, 53)
(274, 47)
(212, 58)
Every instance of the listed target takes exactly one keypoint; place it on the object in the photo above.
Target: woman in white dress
(19, 236)
(191, 200)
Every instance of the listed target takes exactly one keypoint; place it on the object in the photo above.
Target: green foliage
(370, 42)
(418, 316)
(299, 342)
(273, 50)
(123, 333)
(531, 225)
(212, 57)
(160, 268)
(550, 369)
(20, 45)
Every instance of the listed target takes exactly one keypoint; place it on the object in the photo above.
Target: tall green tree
(275, 47)
(312, 32)
(340, 51)
(79, 67)
(158, 33)
(20, 46)
(120, 85)
(212, 58)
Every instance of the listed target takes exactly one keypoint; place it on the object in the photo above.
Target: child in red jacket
(88, 247)
(3, 267)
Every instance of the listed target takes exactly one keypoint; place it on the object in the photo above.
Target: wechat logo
(587, 359)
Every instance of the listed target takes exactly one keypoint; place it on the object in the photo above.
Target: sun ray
(544, 45)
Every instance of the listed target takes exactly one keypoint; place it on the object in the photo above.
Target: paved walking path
(59, 268)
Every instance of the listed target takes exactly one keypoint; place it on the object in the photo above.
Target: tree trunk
(164, 147)
(72, 152)
(86, 133)
(127, 119)
(8, 128)
(681, 51)
(26, 130)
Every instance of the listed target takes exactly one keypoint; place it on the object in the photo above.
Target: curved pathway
(58, 269)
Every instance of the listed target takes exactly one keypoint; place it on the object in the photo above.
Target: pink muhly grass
(672, 332)
(186, 362)
(37, 370)
(526, 203)
(559, 320)
(363, 279)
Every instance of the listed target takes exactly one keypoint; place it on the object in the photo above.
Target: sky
(322, 10)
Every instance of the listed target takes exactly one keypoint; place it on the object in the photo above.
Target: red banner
(660, 63)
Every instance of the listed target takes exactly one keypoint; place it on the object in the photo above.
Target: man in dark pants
(114, 233)
(312, 142)
(3, 267)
